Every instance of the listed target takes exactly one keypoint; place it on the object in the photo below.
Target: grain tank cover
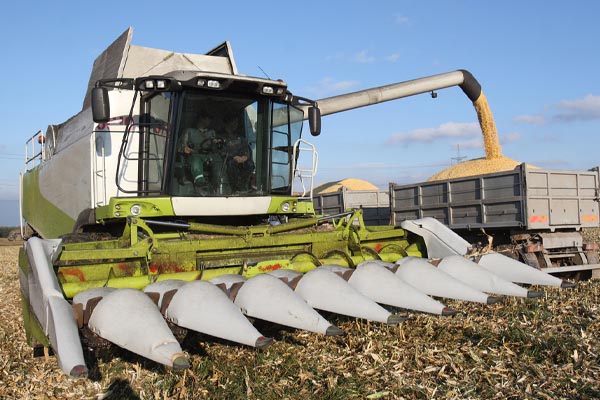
(123, 60)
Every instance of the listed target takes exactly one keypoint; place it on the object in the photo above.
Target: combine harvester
(168, 204)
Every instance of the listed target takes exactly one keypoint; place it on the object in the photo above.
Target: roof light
(267, 90)
(214, 84)
(158, 83)
(279, 90)
(201, 82)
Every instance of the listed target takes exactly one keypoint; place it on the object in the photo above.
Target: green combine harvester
(179, 198)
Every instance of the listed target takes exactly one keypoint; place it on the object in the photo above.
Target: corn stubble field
(538, 349)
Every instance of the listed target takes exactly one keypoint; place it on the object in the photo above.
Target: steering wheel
(211, 145)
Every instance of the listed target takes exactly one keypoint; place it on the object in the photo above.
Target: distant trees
(5, 230)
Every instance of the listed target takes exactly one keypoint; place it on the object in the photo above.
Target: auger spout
(129, 319)
(462, 78)
(203, 307)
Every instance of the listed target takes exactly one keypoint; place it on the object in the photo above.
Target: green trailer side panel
(33, 329)
(47, 219)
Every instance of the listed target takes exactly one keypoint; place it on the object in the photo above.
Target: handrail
(309, 172)
(39, 155)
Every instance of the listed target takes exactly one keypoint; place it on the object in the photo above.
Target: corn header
(177, 200)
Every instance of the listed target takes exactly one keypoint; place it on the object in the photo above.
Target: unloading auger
(168, 204)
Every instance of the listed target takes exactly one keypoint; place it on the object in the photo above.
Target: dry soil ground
(537, 349)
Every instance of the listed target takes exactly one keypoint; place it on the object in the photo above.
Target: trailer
(534, 215)
(375, 204)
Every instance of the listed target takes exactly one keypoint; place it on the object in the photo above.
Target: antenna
(263, 71)
(458, 158)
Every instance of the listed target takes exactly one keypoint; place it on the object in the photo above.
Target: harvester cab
(207, 135)
(168, 204)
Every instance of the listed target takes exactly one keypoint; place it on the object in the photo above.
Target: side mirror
(314, 120)
(100, 105)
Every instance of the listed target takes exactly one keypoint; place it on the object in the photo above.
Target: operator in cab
(239, 163)
(193, 138)
(192, 153)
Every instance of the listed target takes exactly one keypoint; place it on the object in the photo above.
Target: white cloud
(428, 135)
(580, 109)
(335, 57)
(511, 137)
(327, 86)
(530, 119)
(401, 19)
(586, 108)
(393, 57)
(363, 57)
(467, 135)
(475, 143)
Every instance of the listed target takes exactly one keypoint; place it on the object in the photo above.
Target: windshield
(223, 145)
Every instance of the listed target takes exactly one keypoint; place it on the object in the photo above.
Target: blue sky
(537, 61)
